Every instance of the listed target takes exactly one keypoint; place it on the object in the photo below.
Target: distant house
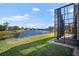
(10, 28)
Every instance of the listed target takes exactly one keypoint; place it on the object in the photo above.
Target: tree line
(5, 26)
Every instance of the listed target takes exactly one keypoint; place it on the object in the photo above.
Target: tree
(22, 27)
(16, 28)
(50, 28)
(2, 28)
(5, 25)
(69, 27)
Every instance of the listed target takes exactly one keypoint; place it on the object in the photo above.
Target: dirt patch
(1, 48)
(12, 42)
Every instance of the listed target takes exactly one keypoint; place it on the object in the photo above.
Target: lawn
(37, 45)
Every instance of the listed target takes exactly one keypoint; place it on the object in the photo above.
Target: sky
(30, 15)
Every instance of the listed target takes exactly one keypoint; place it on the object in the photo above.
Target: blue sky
(31, 15)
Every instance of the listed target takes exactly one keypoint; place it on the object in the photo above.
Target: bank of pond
(20, 33)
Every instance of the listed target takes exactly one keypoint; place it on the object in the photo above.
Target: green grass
(33, 46)
(3, 33)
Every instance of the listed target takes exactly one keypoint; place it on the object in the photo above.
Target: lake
(29, 33)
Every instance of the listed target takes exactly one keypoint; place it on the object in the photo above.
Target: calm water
(29, 33)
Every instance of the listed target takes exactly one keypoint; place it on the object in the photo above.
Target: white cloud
(26, 15)
(36, 25)
(51, 11)
(36, 9)
(16, 18)
(53, 20)
(1, 21)
(67, 3)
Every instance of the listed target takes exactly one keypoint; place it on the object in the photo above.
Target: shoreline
(33, 36)
(4, 37)
(5, 34)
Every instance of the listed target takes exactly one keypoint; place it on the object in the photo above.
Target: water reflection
(30, 33)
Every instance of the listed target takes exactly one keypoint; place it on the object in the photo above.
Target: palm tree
(6, 25)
